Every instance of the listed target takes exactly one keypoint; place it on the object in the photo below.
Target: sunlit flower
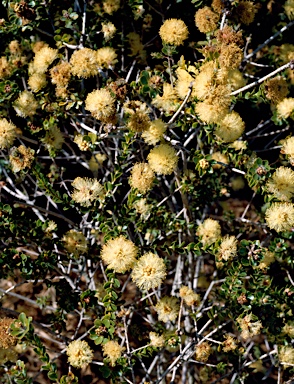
(113, 351)
(5, 67)
(230, 56)
(84, 63)
(101, 104)
(286, 355)
(209, 231)
(75, 242)
(168, 101)
(203, 351)
(154, 132)
(108, 30)
(25, 105)
(79, 353)
(142, 177)
(86, 191)
(119, 254)
(21, 158)
(228, 248)
(285, 108)
(288, 148)
(106, 57)
(111, 6)
(281, 184)
(208, 112)
(60, 74)
(189, 296)
(43, 58)
(230, 128)
(280, 216)
(230, 343)
(163, 159)
(149, 271)
(7, 133)
(174, 31)
(53, 139)
(156, 340)
(139, 121)
(37, 81)
(167, 308)
(248, 327)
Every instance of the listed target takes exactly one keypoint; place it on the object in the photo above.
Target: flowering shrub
(147, 184)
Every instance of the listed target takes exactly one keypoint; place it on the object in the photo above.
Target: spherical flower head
(43, 58)
(281, 184)
(209, 231)
(208, 112)
(87, 191)
(230, 128)
(203, 351)
(5, 67)
(139, 121)
(276, 89)
(21, 158)
(142, 208)
(25, 105)
(286, 355)
(204, 81)
(285, 108)
(119, 254)
(149, 271)
(167, 309)
(163, 159)
(248, 327)
(7, 133)
(206, 20)
(84, 63)
(280, 216)
(230, 56)
(53, 139)
(174, 32)
(288, 149)
(101, 104)
(84, 145)
(246, 11)
(142, 177)
(60, 74)
(75, 242)
(111, 6)
(156, 340)
(79, 353)
(108, 30)
(6, 339)
(230, 343)
(113, 351)
(289, 9)
(228, 248)
(185, 80)
(288, 329)
(37, 81)
(189, 296)
(106, 57)
(154, 132)
(168, 101)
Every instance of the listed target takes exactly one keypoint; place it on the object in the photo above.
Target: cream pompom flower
(149, 271)
(230, 128)
(285, 108)
(37, 81)
(142, 177)
(25, 105)
(75, 242)
(228, 248)
(106, 57)
(79, 353)
(119, 254)
(167, 309)
(43, 58)
(7, 133)
(84, 63)
(156, 340)
(163, 159)
(154, 132)
(101, 104)
(189, 296)
(86, 191)
(174, 32)
(113, 351)
(280, 216)
(209, 231)
(281, 184)
(206, 20)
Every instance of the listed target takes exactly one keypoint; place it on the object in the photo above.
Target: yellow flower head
(37, 81)
(101, 104)
(248, 327)
(53, 139)
(280, 216)
(25, 105)
(230, 56)
(185, 80)
(86, 191)
(203, 351)
(286, 355)
(111, 6)
(79, 353)
(208, 112)
(142, 177)
(7, 133)
(139, 121)
(276, 89)
(168, 101)
(112, 350)
(163, 159)
(108, 30)
(246, 11)
(149, 271)
(156, 340)
(206, 20)
(84, 63)
(189, 296)
(289, 9)
(288, 148)
(154, 132)
(6, 339)
(230, 128)
(228, 248)
(174, 32)
(75, 242)
(204, 82)
(285, 108)
(209, 231)
(119, 254)
(106, 57)
(60, 74)
(5, 67)
(281, 184)
(167, 309)
(21, 158)
(43, 58)
(230, 343)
